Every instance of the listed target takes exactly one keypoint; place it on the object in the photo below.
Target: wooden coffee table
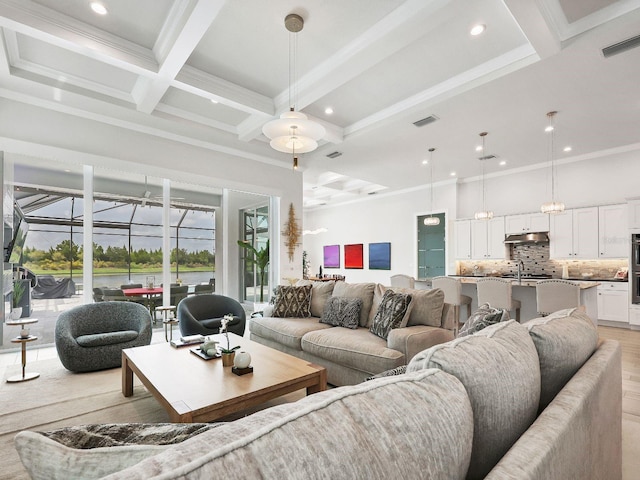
(195, 390)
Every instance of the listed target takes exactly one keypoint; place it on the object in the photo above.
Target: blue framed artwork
(331, 256)
(380, 256)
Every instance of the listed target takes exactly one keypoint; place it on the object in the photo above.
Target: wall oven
(635, 268)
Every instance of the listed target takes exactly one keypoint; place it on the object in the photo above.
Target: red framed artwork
(353, 256)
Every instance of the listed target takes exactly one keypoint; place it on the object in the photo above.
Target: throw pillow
(342, 312)
(357, 290)
(389, 373)
(393, 312)
(427, 305)
(482, 318)
(293, 302)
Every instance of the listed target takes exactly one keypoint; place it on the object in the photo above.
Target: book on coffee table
(187, 340)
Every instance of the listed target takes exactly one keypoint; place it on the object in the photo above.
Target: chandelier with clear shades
(431, 221)
(484, 214)
(293, 132)
(554, 206)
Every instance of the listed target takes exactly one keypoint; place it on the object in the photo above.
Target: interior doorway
(431, 247)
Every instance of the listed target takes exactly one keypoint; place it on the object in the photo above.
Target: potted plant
(228, 353)
(259, 258)
(18, 292)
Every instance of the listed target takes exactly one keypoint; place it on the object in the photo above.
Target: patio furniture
(91, 337)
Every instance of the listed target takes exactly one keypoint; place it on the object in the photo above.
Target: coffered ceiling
(158, 66)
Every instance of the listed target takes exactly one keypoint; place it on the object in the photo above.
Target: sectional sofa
(540, 400)
(352, 355)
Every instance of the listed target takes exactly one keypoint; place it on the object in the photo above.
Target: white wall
(606, 180)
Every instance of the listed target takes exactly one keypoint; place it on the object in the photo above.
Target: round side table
(167, 321)
(25, 376)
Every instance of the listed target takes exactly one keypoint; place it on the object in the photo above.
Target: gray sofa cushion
(375, 424)
(320, 293)
(358, 349)
(564, 340)
(426, 305)
(499, 368)
(285, 331)
(357, 290)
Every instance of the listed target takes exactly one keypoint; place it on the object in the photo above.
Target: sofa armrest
(412, 340)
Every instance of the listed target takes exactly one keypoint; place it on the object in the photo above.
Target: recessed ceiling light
(567, 149)
(453, 174)
(99, 8)
(477, 29)
(328, 110)
(548, 128)
(425, 162)
(213, 100)
(503, 163)
(479, 148)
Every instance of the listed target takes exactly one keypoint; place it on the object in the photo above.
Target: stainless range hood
(524, 238)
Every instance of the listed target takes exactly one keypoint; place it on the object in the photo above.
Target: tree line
(60, 257)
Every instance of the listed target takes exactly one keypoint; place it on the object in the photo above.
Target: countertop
(529, 282)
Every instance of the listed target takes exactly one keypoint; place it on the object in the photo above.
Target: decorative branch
(292, 232)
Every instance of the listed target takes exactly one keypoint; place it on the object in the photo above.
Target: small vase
(16, 313)
(227, 359)
(243, 360)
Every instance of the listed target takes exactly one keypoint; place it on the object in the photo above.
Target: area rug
(61, 398)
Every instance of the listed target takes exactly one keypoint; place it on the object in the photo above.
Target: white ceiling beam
(47, 25)
(542, 34)
(5, 64)
(186, 24)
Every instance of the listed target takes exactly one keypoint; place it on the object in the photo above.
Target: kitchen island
(525, 291)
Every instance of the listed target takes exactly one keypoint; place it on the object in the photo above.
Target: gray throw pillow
(293, 302)
(342, 312)
(393, 312)
(482, 318)
(401, 370)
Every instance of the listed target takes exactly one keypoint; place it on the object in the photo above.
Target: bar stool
(403, 281)
(452, 288)
(554, 295)
(497, 293)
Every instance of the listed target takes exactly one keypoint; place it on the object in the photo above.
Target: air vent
(487, 157)
(334, 154)
(425, 121)
(620, 47)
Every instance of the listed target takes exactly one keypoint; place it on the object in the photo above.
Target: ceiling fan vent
(334, 154)
(425, 121)
(487, 157)
(622, 46)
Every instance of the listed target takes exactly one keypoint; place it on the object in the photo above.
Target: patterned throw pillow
(293, 302)
(402, 369)
(482, 318)
(342, 312)
(393, 312)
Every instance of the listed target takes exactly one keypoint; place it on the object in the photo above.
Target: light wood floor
(630, 343)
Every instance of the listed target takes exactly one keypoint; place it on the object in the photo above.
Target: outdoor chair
(200, 289)
(177, 294)
(92, 336)
(98, 295)
(202, 314)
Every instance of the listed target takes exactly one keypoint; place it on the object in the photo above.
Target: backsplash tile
(535, 258)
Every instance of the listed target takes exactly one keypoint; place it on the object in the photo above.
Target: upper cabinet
(634, 213)
(613, 238)
(487, 239)
(574, 233)
(529, 222)
(462, 239)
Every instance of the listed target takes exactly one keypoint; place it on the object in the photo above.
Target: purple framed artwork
(353, 256)
(380, 256)
(331, 256)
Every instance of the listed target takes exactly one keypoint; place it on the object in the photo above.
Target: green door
(431, 248)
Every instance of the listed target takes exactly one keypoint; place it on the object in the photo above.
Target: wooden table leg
(127, 377)
(321, 385)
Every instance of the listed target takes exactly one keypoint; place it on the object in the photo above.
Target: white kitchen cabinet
(462, 239)
(525, 223)
(634, 315)
(634, 213)
(613, 301)
(574, 233)
(613, 237)
(487, 239)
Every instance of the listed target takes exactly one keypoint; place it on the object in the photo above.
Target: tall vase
(228, 358)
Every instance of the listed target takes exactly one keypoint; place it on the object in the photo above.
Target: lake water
(115, 280)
